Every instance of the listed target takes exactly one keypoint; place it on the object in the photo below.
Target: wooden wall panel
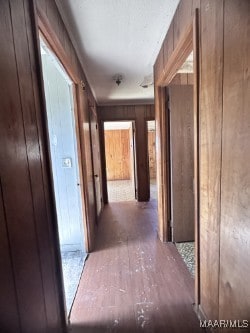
(9, 320)
(22, 176)
(140, 114)
(224, 137)
(210, 151)
(88, 174)
(95, 146)
(183, 79)
(168, 44)
(151, 154)
(117, 151)
(182, 19)
(235, 186)
(182, 162)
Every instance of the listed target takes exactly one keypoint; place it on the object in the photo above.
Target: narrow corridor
(132, 282)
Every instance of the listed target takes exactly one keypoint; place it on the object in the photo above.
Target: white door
(63, 153)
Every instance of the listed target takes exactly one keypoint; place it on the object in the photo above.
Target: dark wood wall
(224, 149)
(140, 114)
(31, 297)
(181, 108)
(30, 286)
(151, 154)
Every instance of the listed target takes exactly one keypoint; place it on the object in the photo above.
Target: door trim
(103, 157)
(78, 88)
(188, 42)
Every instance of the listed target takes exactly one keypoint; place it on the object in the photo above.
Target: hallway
(132, 282)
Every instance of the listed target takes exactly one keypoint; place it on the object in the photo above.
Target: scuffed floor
(186, 251)
(132, 282)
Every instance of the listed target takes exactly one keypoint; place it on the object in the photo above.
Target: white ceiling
(118, 37)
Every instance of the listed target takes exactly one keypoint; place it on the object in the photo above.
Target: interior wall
(95, 145)
(31, 271)
(223, 137)
(181, 108)
(117, 152)
(140, 114)
(31, 281)
(151, 154)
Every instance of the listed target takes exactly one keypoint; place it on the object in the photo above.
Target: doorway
(120, 160)
(180, 95)
(64, 162)
(152, 159)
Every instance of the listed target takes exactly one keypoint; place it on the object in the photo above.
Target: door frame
(78, 87)
(103, 157)
(188, 42)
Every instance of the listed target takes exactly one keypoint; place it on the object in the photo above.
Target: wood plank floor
(133, 282)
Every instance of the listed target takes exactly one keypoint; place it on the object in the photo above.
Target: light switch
(67, 162)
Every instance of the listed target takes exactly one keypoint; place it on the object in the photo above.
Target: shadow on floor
(152, 320)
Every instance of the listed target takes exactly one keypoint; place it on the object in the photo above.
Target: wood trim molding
(79, 87)
(188, 42)
(196, 48)
(177, 58)
(52, 40)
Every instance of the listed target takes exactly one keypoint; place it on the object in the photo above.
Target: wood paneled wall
(224, 147)
(31, 272)
(151, 154)
(117, 153)
(181, 108)
(140, 114)
(31, 281)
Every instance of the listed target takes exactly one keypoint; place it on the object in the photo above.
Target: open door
(96, 159)
(64, 163)
(182, 162)
(133, 154)
(119, 149)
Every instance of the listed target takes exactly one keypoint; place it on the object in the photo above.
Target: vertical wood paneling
(9, 320)
(159, 63)
(17, 115)
(143, 180)
(95, 147)
(151, 154)
(182, 19)
(139, 113)
(87, 163)
(182, 162)
(235, 186)
(168, 44)
(47, 229)
(210, 151)
(117, 151)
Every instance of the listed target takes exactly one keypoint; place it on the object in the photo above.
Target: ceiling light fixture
(118, 78)
(147, 81)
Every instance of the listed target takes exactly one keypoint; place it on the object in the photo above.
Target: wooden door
(182, 162)
(96, 159)
(133, 152)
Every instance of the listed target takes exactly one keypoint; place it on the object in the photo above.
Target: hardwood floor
(133, 282)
